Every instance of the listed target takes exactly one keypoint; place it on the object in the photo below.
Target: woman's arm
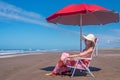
(85, 53)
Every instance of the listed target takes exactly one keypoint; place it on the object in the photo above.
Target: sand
(106, 66)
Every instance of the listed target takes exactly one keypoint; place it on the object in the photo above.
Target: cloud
(107, 40)
(11, 12)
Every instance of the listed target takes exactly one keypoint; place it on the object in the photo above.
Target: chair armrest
(80, 58)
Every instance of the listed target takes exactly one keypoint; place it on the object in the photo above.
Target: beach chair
(80, 59)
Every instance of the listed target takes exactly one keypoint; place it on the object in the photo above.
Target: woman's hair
(92, 44)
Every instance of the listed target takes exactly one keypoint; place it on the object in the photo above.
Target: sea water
(24, 51)
(28, 51)
(18, 51)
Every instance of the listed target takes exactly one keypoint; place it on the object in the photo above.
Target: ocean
(28, 51)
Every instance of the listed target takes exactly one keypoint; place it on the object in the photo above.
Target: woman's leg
(60, 66)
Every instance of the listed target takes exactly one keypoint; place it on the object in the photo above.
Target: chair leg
(90, 72)
(73, 72)
(74, 69)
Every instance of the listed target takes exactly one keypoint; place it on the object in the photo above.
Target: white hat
(89, 37)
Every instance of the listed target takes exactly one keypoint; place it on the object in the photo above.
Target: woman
(68, 59)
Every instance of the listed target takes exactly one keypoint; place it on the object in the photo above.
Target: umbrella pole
(80, 32)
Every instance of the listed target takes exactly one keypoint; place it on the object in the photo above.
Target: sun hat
(89, 37)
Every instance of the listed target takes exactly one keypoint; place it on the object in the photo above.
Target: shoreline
(37, 53)
(18, 54)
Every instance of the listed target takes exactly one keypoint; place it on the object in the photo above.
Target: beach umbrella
(83, 14)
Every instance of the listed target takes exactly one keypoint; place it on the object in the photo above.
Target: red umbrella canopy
(83, 14)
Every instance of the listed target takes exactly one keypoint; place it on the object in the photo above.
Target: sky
(23, 25)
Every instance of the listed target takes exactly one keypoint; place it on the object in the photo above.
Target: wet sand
(106, 66)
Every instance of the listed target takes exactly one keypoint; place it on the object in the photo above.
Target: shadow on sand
(77, 73)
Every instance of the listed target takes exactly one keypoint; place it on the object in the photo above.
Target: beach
(105, 66)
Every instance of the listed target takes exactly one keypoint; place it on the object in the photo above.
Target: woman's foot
(51, 74)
